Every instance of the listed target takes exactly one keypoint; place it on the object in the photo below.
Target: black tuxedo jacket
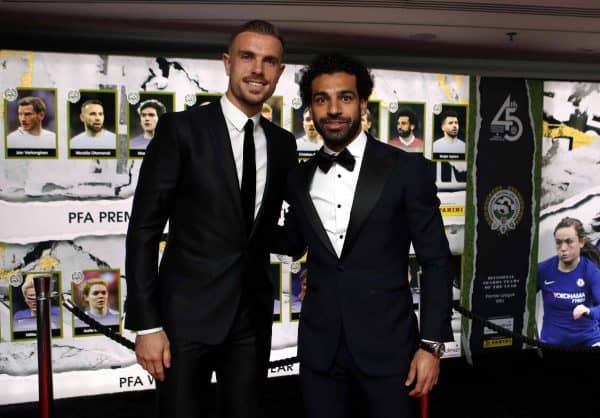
(365, 292)
(188, 178)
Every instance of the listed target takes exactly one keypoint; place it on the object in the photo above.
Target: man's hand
(153, 353)
(425, 367)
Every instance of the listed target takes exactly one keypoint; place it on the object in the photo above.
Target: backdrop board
(500, 245)
(570, 188)
(67, 213)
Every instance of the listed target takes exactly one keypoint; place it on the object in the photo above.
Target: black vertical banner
(502, 195)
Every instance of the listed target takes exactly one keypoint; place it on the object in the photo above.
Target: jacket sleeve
(152, 204)
(432, 250)
(287, 237)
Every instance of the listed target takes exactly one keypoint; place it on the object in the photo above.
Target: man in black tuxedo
(217, 174)
(357, 205)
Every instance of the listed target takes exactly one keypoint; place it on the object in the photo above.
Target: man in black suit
(217, 174)
(357, 205)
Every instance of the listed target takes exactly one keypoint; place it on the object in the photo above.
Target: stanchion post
(425, 406)
(44, 346)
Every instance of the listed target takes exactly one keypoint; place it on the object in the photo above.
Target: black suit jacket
(188, 178)
(365, 292)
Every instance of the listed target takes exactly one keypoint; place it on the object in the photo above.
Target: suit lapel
(371, 179)
(307, 173)
(219, 136)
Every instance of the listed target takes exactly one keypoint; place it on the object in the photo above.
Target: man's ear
(226, 62)
(363, 107)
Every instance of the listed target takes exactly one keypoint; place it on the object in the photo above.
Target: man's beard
(94, 128)
(342, 137)
(405, 134)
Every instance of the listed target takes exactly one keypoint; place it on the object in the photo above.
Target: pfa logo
(503, 209)
(190, 99)
(133, 98)
(506, 126)
(11, 94)
(16, 279)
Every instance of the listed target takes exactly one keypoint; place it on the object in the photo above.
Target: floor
(499, 385)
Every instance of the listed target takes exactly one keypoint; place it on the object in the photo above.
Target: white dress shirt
(236, 119)
(332, 193)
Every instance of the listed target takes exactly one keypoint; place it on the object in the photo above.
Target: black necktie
(344, 158)
(249, 176)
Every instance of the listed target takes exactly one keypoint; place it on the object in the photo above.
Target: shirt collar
(235, 116)
(356, 147)
(407, 142)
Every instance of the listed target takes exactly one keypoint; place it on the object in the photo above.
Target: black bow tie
(344, 158)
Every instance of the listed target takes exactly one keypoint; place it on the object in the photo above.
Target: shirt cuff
(148, 331)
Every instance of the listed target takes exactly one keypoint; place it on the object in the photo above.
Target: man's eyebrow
(320, 93)
(338, 92)
(266, 57)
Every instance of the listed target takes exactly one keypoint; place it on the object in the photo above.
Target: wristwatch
(433, 347)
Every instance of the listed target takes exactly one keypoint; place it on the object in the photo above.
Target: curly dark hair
(408, 112)
(336, 63)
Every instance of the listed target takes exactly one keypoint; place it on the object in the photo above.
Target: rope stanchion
(424, 413)
(110, 333)
(44, 345)
(522, 338)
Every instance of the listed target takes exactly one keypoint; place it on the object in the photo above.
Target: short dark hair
(257, 26)
(447, 114)
(90, 102)
(154, 104)
(35, 102)
(336, 63)
(408, 112)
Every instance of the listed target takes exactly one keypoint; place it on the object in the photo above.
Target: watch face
(434, 348)
(440, 349)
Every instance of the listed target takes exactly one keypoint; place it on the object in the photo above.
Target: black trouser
(333, 394)
(240, 364)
